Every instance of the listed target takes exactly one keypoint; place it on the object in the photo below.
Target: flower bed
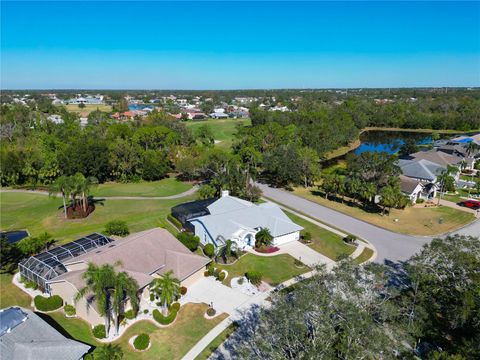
(267, 250)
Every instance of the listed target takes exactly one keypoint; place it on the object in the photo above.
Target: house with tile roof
(144, 256)
(231, 218)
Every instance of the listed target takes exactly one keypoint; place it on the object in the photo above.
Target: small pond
(389, 141)
(15, 236)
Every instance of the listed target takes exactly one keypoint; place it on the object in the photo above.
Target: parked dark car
(471, 204)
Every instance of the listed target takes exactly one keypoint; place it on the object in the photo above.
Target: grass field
(275, 269)
(223, 129)
(165, 187)
(323, 241)
(415, 221)
(11, 295)
(366, 254)
(88, 108)
(172, 342)
(215, 343)
(39, 213)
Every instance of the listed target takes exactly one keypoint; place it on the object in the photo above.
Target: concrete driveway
(390, 245)
(225, 299)
(305, 254)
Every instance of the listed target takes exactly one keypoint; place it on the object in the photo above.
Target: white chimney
(225, 193)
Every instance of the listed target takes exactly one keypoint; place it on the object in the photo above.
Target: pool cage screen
(48, 265)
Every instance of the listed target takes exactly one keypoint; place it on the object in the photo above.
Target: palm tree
(61, 185)
(99, 282)
(263, 237)
(388, 198)
(472, 148)
(444, 178)
(367, 191)
(168, 288)
(108, 352)
(227, 250)
(85, 186)
(124, 288)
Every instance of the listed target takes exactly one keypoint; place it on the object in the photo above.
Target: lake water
(389, 141)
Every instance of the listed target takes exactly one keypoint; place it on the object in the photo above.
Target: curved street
(390, 245)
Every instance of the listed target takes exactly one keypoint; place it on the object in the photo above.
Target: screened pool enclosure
(48, 265)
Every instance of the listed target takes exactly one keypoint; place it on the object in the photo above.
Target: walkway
(176, 196)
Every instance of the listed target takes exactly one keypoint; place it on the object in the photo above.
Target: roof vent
(225, 193)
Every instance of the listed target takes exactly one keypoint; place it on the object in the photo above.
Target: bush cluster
(209, 250)
(164, 320)
(130, 314)
(420, 201)
(307, 236)
(255, 277)
(189, 240)
(69, 310)
(183, 290)
(174, 221)
(211, 311)
(141, 342)
(99, 331)
(221, 276)
(117, 227)
(48, 303)
(175, 307)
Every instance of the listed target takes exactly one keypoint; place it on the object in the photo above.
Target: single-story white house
(231, 218)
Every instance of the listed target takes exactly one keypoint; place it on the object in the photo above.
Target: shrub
(117, 227)
(30, 285)
(189, 240)
(267, 249)
(99, 331)
(211, 269)
(254, 277)
(221, 276)
(298, 263)
(130, 314)
(152, 297)
(183, 290)
(145, 311)
(141, 342)
(175, 307)
(307, 236)
(48, 303)
(69, 310)
(158, 303)
(174, 221)
(241, 280)
(420, 201)
(350, 239)
(209, 250)
(164, 320)
(211, 311)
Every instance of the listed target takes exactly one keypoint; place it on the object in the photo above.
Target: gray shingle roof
(33, 339)
(420, 169)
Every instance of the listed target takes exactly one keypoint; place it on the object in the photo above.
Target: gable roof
(230, 215)
(408, 185)
(438, 157)
(420, 169)
(31, 338)
(141, 255)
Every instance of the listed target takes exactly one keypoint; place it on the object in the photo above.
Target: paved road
(390, 245)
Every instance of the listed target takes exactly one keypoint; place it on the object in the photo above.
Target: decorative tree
(263, 238)
(167, 288)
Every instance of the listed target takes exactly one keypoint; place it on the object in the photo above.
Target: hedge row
(141, 342)
(48, 303)
(164, 320)
(174, 221)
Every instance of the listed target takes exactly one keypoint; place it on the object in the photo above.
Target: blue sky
(238, 45)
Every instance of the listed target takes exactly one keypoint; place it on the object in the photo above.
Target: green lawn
(223, 129)
(11, 295)
(165, 187)
(461, 195)
(172, 342)
(88, 108)
(366, 254)
(323, 241)
(275, 269)
(215, 343)
(39, 213)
